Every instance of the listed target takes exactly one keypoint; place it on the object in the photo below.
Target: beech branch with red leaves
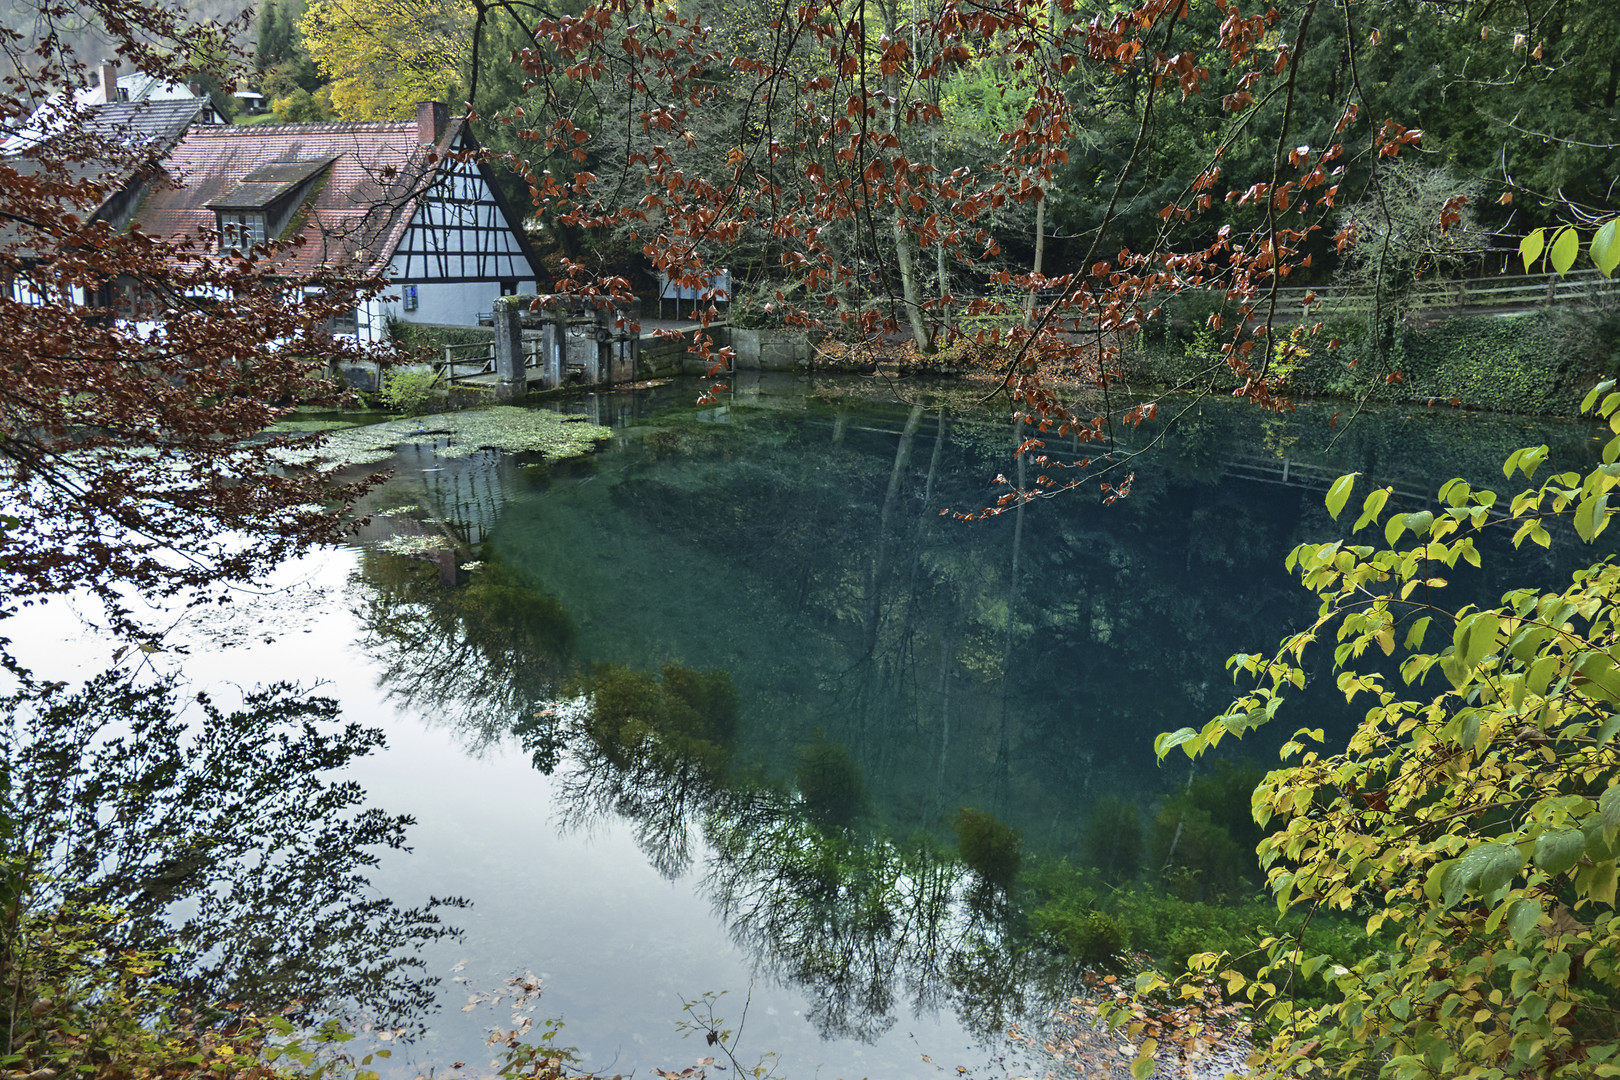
(829, 171)
(140, 374)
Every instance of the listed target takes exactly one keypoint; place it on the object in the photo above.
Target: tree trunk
(1040, 256)
(905, 247)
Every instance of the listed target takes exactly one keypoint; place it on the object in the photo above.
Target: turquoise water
(788, 841)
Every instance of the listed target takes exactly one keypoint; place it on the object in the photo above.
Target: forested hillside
(79, 28)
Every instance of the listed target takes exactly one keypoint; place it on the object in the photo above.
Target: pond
(805, 669)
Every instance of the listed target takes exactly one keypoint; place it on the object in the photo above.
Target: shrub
(1095, 937)
(830, 782)
(409, 390)
(991, 849)
(1112, 838)
(1473, 815)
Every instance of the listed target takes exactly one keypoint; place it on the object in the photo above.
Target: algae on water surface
(502, 427)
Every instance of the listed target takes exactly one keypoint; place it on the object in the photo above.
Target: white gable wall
(458, 253)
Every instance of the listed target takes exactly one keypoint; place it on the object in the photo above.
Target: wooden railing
(463, 362)
(1518, 290)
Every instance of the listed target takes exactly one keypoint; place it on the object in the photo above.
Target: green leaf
(1142, 1067)
(1470, 732)
(1414, 636)
(1565, 246)
(1598, 882)
(1453, 883)
(1394, 527)
(1168, 742)
(1599, 390)
(1499, 864)
(1339, 494)
(1419, 522)
(1522, 918)
(1483, 870)
(1531, 246)
(1606, 247)
(1530, 459)
(1371, 508)
(1482, 637)
(1606, 732)
(1557, 851)
(1599, 675)
(1541, 673)
(1609, 810)
(1590, 517)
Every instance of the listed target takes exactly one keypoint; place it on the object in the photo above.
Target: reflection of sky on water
(619, 947)
(757, 552)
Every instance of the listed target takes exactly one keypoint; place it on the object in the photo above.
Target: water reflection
(488, 652)
(802, 671)
(223, 844)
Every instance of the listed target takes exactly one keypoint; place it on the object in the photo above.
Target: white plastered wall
(444, 304)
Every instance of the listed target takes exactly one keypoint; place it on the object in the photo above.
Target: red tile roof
(358, 212)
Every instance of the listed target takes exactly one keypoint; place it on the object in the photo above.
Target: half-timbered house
(397, 199)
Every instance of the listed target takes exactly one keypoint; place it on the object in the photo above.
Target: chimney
(432, 118)
(109, 82)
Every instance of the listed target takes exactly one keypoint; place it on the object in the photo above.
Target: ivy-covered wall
(1539, 363)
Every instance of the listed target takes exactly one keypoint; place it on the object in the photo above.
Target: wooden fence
(474, 360)
(1516, 291)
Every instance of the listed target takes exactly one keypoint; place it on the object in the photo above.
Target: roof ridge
(336, 126)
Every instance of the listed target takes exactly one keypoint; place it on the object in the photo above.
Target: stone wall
(662, 357)
(771, 350)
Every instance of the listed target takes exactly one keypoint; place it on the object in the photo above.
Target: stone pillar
(602, 331)
(630, 341)
(581, 349)
(511, 377)
(552, 335)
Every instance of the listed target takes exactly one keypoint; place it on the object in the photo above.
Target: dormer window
(259, 206)
(239, 230)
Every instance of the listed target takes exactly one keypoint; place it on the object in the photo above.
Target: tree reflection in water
(858, 920)
(484, 655)
(220, 840)
(1019, 665)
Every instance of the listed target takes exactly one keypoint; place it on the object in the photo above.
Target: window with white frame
(240, 229)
